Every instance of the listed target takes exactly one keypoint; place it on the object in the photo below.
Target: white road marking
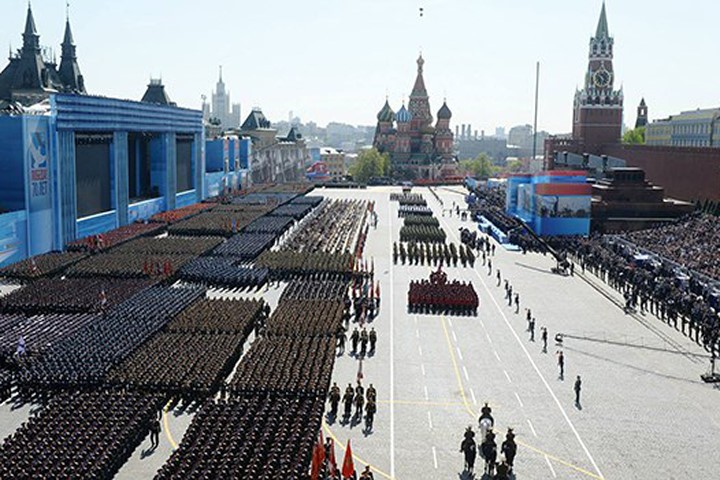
(427, 397)
(507, 376)
(453, 334)
(417, 333)
(459, 353)
(422, 367)
(488, 337)
(472, 394)
(552, 470)
(420, 350)
(450, 322)
(496, 355)
(392, 354)
(430, 420)
(434, 457)
(532, 429)
(518, 399)
(532, 362)
(466, 374)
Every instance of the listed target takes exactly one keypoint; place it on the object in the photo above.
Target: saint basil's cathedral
(417, 149)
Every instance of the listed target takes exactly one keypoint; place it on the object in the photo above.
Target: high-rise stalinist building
(220, 107)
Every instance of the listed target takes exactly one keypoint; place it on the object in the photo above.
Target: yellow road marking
(168, 435)
(357, 459)
(472, 414)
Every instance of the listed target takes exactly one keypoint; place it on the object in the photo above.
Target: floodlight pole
(537, 89)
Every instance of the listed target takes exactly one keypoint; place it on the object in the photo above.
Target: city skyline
(303, 57)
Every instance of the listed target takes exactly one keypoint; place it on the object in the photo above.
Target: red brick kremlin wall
(687, 173)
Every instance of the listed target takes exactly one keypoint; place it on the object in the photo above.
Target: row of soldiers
(357, 397)
(454, 298)
(363, 338)
(420, 253)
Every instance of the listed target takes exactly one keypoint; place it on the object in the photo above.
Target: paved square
(644, 412)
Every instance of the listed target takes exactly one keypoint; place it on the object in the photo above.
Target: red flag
(321, 449)
(331, 460)
(315, 464)
(348, 467)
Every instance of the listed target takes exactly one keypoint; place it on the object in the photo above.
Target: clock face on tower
(602, 78)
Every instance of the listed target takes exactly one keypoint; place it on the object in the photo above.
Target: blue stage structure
(88, 164)
(555, 202)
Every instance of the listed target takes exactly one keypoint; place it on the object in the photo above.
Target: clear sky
(335, 60)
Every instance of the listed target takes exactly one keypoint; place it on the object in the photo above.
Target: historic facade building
(694, 128)
(680, 152)
(273, 159)
(417, 148)
(598, 107)
(33, 73)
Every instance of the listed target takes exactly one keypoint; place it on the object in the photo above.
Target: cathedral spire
(419, 87)
(602, 28)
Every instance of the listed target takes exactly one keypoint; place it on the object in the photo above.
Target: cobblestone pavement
(644, 412)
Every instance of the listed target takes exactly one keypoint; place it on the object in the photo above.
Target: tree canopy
(370, 163)
(481, 166)
(635, 136)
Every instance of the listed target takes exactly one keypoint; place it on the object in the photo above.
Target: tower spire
(220, 78)
(68, 37)
(31, 40)
(602, 28)
(69, 70)
(419, 87)
(30, 22)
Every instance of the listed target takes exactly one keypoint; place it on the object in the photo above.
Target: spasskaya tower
(598, 108)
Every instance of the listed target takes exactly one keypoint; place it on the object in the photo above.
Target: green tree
(370, 163)
(635, 136)
(481, 166)
(514, 166)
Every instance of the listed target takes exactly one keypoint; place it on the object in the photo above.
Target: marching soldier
(370, 410)
(334, 398)
(348, 400)
(341, 339)
(359, 390)
(509, 449)
(364, 338)
(359, 403)
(373, 339)
(371, 393)
(354, 338)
